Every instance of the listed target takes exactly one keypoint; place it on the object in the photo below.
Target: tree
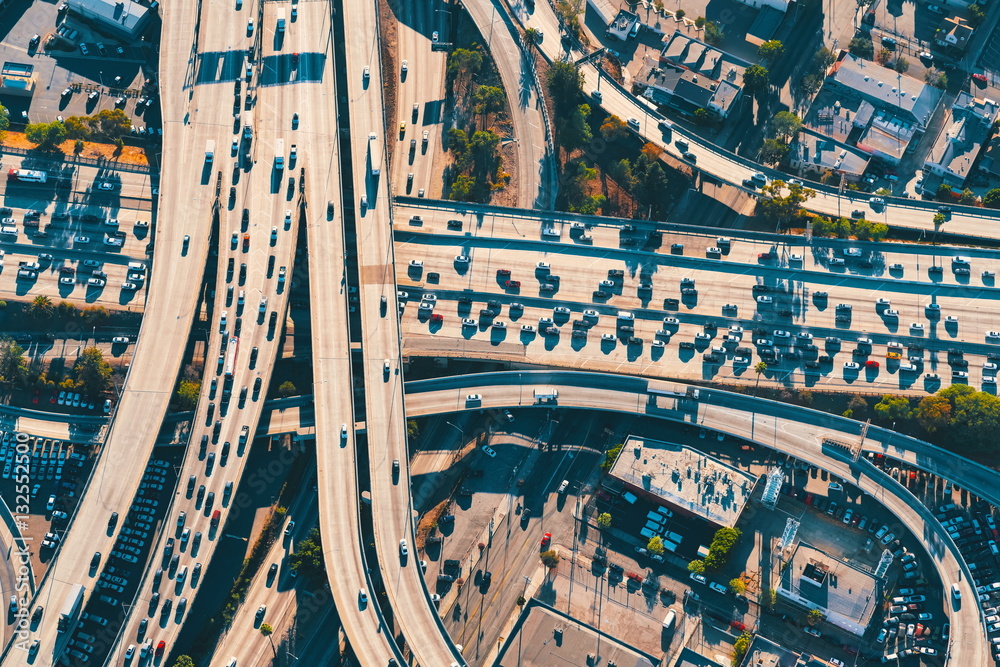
(719, 550)
(737, 586)
(893, 408)
(740, 648)
(782, 208)
(463, 64)
(713, 33)
(655, 546)
(815, 616)
(77, 147)
(652, 152)
(786, 124)
(938, 220)
(13, 365)
(968, 197)
(184, 661)
(756, 79)
(759, 368)
(976, 15)
(549, 558)
(112, 123)
(992, 198)
(46, 135)
(883, 55)
(187, 394)
(901, 64)
(679, 14)
(412, 429)
(699, 22)
(861, 47)
(936, 78)
(975, 417)
(811, 83)
(565, 83)
(702, 116)
(610, 456)
(77, 127)
(461, 189)
(771, 50)
(603, 520)
(769, 597)
(822, 59)
(92, 372)
(697, 566)
(613, 128)
(933, 413)
(577, 179)
(573, 130)
(267, 631)
(287, 389)
(773, 151)
(488, 100)
(532, 37)
(4, 121)
(307, 559)
(41, 308)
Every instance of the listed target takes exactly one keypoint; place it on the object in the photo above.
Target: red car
(737, 625)
(546, 538)
(979, 77)
(871, 363)
(809, 499)
(503, 272)
(215, 518)
(764, 256)
(159, 648)
(512, 284)
(246, 241)
(437, 318)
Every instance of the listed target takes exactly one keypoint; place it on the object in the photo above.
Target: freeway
(384, 412)
(793, 430)
(791, 290)
(189, 121)
(258, 232)
(371, 641)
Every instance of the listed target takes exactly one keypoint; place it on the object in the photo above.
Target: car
(851, 366)
(700, 578)
(546, 540)
(489, 451)
(809, 630)
(405, 66)
(403, 550)
(160, 647)
(887, 538)
(980, 77)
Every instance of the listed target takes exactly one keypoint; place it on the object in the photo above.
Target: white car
(406, 66)
(403, 550)
(489, 451)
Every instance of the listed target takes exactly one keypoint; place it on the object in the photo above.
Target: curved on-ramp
(793, 430)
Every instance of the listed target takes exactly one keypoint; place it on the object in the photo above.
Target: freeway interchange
(576, 293)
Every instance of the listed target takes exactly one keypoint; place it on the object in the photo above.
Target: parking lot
(83, 236)
(115, 70)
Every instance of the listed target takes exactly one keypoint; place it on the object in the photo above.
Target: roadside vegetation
(479, 109)
(719, 551)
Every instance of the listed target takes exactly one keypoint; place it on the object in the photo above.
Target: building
(909, 100)
(530, 643)
(765, 25)
(691, 75)
(122, 19)
(954, 34)
(689, 658)
(845, 593)
(686, 481)
(765, 653)
(625, 25)
(960, 142)
(17, 79)
(814, 154)
(779, 5)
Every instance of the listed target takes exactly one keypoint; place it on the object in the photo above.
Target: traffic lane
(438, 248)
(869, 317)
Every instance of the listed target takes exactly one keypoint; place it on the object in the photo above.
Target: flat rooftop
(845, 592)
(544, 636)
(685, 478)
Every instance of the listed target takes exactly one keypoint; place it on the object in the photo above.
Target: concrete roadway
(271, 247)
(380, 345)
(336, 455)
(720, 282)
(171, 302)
(534, 183)
(768, 423)
(423, 86)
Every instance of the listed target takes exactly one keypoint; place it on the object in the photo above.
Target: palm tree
(761, 367)
(532, 37)
(267, 631)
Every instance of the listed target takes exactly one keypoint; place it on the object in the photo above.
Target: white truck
(279, 154)
(70, 609)
(547, 394)
(375, 154)
(209, 150)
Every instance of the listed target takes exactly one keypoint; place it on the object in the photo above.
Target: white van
(137, 266)
(625, 315)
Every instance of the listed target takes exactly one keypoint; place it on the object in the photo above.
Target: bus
(234, 344)
(27, 176)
